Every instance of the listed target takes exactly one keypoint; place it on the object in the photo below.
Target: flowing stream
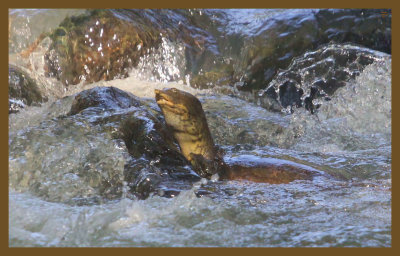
(58, 162)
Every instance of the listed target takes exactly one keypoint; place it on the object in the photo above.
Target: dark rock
(366, 27)
(110, 144)
(22, 90)
(290, 94)
(154, 155)
(317, 74)
(107, 98)
(279, 41)
(308, 101)
(106, 44)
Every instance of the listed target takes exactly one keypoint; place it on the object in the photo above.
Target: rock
(278, 41)
(97, 46)
(318, 74)
(106, 44)
(220, 75)
(22, 90)
(110, 144)
(154, 155)
(231, 124)
(366, 27)
(106, 98)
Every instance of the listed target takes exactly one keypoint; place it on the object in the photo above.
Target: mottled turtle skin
(186, 120)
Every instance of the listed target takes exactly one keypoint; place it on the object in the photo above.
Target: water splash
(352, 120)
(164, 64)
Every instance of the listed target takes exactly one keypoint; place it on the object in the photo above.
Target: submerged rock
(22, 90)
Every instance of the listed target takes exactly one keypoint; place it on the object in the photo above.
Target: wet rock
(219, 76)
(193, 30)
(106, 98)
(154, 156)
(97, 46)
(317, 75)
(22, 90)
(233, 122)
(308, 101)
(289, 94)
(278, 41)
(137, 124)
(367, 27)
(111, 144)
(106, 44)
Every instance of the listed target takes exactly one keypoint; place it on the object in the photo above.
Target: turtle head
(180, 109)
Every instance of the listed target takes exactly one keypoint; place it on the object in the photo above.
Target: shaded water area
(92, 162)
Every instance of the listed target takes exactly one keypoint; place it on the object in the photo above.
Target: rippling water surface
(56, 163)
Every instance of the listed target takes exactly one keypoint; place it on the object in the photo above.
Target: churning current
(309, 87)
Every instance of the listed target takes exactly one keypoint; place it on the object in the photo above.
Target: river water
(53, 202)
